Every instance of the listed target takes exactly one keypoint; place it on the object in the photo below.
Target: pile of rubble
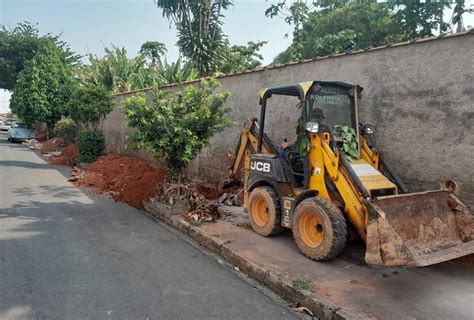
(33, 144)
(50, 149)
(202, 202)
(76, 174)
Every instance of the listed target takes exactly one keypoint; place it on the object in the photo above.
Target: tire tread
(339, 227)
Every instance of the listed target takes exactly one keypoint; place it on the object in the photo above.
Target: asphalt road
(68, 254)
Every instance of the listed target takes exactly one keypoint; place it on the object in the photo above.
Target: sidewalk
(343, 288)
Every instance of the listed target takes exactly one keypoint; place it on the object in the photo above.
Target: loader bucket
(418, 229)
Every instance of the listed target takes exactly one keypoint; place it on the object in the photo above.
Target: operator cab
(325, 107)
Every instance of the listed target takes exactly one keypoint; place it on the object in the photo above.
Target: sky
(90, 25)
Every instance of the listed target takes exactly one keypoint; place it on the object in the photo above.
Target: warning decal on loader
(363, 170)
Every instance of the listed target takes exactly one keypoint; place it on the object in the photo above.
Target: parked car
(7, 123)
(20, 131)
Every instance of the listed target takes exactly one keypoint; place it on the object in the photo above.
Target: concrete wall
(419, 96)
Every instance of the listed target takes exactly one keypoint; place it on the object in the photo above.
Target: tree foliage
(119, 73)
(418, 19)
(333, 26)
(116, 72)
(458, 11)
(89, 105)
(43, 87)
(199, 26)
(153, 51)
(177, 125)
(243, 58)
(19, 45)
(177, 72)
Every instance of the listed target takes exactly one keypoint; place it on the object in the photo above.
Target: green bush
(65, 129)
(90, 144)
(89, 105)
(175, 126)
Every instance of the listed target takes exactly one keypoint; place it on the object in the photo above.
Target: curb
(321, 308)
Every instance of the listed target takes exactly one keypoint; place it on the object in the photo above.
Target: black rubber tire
(333, 224)
(273, 225)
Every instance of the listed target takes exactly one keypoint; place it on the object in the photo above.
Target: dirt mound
(126, 179)
(41, 137)
(68, 156)
(48, 146)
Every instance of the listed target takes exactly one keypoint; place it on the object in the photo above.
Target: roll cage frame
(300, 91)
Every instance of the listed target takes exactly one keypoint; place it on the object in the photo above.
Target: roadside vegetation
(175, 126)
(71, 95)
(334, 26)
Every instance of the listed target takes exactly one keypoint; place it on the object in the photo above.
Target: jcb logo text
(260, 166)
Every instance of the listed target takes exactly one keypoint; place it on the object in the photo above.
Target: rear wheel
(264, 211)
(319, 229)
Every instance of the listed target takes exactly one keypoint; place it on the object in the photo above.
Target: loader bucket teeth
(418, 229)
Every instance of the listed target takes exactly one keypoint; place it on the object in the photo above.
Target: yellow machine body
(410, 229)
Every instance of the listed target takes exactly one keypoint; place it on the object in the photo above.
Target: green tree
(89, 105)
(177, 72)
(43, 87)
(458, 12)
(199, 25)
(19, 45)
(418, 19)
(332, 26)
(118, 73)
(243, 58)
(153, 50)
(345, 28)
(177, 125)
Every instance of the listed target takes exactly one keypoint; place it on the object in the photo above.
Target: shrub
(65, 129)
(90, 144)
(89, 105)
(177, 125)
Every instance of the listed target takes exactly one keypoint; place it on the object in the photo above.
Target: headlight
(369, 129)
(312, 127)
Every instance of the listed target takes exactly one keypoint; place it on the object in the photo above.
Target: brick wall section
(420, 97)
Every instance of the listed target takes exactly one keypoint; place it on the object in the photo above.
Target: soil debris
(125, 179)
(67, 156)
(33, 144)
(48, 145)
(203, 201)
(41, 136)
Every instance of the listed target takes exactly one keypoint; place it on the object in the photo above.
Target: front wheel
(319, 229)
(264, 211)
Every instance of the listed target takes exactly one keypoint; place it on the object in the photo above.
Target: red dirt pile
(126, 179)
(68, 156)
(40, 137)
(48, 146)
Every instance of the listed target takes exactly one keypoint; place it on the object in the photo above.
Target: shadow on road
(25, 164)
(49, 191)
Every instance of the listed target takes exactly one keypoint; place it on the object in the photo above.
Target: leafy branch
(348, 141)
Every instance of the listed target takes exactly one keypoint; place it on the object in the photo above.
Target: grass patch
(196, 223)
(300, 284)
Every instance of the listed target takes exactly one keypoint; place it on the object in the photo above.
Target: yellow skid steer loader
(335, 176)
